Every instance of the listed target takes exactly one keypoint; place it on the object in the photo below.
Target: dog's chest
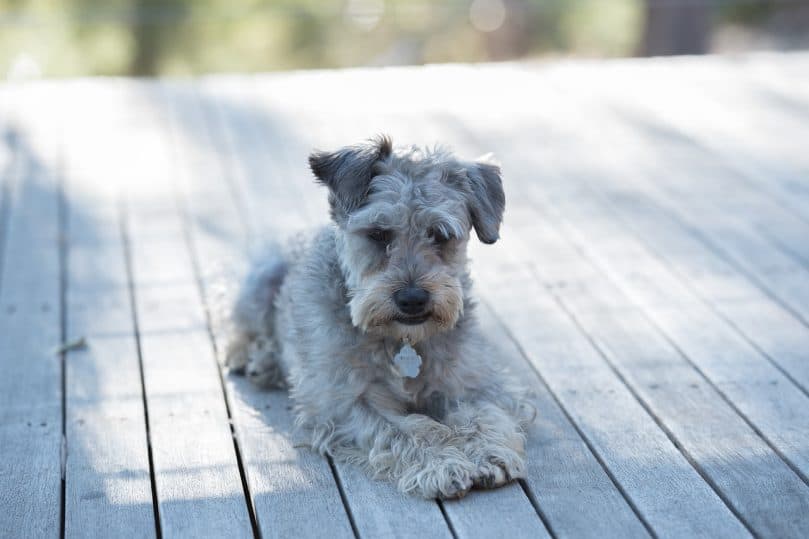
(425, 393)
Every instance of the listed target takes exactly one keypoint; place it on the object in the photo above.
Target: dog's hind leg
(252, 346)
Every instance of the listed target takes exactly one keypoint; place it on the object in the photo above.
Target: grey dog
(371, 324)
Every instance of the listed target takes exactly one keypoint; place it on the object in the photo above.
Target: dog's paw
(493, 472)
(236, 354)
(454, 487)
(263, 368)
(266, 375)
(456, 490)
(445, 480)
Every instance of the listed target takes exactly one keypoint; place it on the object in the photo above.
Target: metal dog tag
(407, 361)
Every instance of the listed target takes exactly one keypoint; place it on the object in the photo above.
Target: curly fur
(323, 322)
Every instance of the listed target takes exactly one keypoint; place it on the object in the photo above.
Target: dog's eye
(380, 236)
(438, 237)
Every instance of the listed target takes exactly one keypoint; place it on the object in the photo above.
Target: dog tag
(407, 361)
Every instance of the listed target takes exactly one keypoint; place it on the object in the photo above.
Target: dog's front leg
(419, 454)
(494, 441)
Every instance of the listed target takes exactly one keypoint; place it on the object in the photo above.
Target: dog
(370, 323)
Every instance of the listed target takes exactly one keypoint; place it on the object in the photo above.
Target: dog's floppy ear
(348, 172)
(487, 201)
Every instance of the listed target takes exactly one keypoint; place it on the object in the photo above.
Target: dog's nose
(411, 300)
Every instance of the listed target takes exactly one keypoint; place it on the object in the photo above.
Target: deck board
(651, 287)
(197, 477)
(606, 413)
(282, 477)
(107, 473)
(673, 391)
(30, 331)
(748, 378)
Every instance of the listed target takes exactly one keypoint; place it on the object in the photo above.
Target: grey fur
(324, 323)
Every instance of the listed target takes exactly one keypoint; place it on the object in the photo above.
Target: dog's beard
(374, 311)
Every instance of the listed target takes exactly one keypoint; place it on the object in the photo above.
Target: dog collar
(407, 361)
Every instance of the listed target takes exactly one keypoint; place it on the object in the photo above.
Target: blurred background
(63, 38)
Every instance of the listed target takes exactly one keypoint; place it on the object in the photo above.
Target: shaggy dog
(371, 324)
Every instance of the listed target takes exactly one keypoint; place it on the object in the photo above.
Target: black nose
(411, 300)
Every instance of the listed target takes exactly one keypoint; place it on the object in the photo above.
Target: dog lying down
(371, 324)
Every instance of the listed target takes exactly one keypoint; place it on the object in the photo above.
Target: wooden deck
(652, 285)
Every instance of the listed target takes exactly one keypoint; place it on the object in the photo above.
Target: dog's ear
(348, 172)
(488, 200)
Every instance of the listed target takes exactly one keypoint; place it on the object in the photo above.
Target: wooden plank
(379, 510)
(6, 152)
(107, 469)
(768, 326)
(472, 516)
(30, 387)
(548, 258)
(572, 490)
(726, 449)
(740, 371)
(759, 390)
(625, 437)
(107, 473)
(198, 482)
(285, 477)
(760, 188)
(282, 477)
(717, 212)
(780, 333)
(257, 165)
(701, 99)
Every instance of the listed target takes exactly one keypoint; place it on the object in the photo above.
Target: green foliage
(747, 13)
(181, 37)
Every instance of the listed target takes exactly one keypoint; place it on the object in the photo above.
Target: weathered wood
(198, 482)
(762, 393)
(774, 331)
(740, 465)
(197, 477)
(572, 490)
(107, 474)
(282, 477)
(704, 236)
(725, 214)
(779, 333)
(653, 271)
(758, 173)
(30, 385)
(502, 512)
(626, 438)
(701, 104)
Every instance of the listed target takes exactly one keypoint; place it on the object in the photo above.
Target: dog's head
(405, 218)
